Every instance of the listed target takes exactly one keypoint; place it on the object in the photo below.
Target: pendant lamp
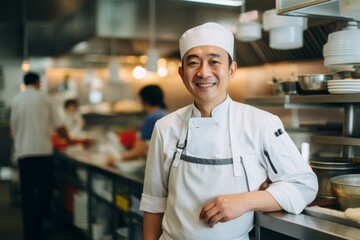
(152, 54)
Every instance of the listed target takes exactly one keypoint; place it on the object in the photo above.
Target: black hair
(70, 102)
(152, 95)
(31, 78)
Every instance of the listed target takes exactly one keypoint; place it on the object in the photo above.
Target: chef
(207, 161)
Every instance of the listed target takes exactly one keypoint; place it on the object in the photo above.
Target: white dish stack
(343, 47)
(81, 210)
(344, 86)
(342, 54)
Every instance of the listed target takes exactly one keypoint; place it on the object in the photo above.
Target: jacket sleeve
(154, 194)
(294, 184)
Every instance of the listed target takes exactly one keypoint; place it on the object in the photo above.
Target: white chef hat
(207, 34)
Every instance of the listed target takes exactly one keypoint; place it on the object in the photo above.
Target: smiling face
(206, 74)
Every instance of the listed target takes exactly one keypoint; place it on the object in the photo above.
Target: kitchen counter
(84, 158)
(302, 226)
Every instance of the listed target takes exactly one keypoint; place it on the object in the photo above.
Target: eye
(192, 63)
(215, 62)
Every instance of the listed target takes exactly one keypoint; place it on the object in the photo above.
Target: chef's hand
(227, 207)
(223, 209)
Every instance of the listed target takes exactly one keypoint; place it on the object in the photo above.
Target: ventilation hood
(95, 25)
(334, 9)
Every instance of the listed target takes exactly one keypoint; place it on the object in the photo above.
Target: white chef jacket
(264, 145)
(33, 118)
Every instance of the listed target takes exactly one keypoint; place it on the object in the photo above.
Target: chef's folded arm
(293, 183)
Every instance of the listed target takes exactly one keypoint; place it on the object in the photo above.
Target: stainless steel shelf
(347, 141)
(309, 101)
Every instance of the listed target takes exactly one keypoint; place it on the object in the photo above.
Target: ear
(181, 72)
(232, 69)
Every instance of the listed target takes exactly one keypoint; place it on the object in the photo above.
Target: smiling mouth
(204, 85)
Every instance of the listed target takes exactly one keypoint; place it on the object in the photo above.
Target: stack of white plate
(344, 86)
(81, 210)
(343, 47)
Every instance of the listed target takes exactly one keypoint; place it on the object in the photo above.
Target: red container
(128, 138)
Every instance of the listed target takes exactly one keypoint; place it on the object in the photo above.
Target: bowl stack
(343, 47)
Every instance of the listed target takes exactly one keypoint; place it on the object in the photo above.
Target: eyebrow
(196, 56)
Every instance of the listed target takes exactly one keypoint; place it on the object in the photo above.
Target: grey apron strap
(181, 144)
(234, 142)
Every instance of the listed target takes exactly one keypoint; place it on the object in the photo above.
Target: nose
(203, 71)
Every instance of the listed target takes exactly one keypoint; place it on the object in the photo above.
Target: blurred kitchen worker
(74, 122)
(152, 99)
(33, 119)
(206, 161)
(68, 88)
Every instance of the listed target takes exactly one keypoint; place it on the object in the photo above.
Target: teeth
(205, 84)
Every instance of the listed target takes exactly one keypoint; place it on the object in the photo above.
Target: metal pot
(349, 73)
(288, 87)
(347, 190)
(329, 168)
(314, 82)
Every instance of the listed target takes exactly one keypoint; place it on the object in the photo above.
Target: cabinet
(111, 199)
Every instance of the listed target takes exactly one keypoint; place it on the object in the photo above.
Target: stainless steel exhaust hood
(315, 8)
(92, 23)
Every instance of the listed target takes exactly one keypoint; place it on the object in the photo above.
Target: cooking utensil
(314, 82)
(349, 73)
(328, 168)
(288, 87)
(347, 190)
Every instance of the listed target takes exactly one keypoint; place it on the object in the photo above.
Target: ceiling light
(162, 71)
(139, 72)
(285, 32)
(25, 66)
(232, 3)
(113, 69)
(248, 29)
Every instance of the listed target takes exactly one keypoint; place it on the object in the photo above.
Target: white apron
(194, 180)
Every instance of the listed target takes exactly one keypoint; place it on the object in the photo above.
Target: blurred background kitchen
(102, 52)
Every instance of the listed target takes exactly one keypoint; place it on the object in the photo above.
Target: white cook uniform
(33, 118)
(233, 151)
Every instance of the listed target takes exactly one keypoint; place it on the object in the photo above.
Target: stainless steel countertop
(304, 227)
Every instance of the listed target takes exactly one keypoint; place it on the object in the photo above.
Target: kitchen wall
(248, 82)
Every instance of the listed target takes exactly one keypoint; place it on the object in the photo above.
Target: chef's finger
(206, 208)
(215, 219)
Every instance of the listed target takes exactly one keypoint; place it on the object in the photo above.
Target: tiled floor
(11, 223)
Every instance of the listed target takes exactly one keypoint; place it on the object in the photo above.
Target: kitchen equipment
(328, 168)
(343, 47)
(349, 73)
(344, 86)
(288, 87)
(285, 32)
(347, 190)
(314, 82)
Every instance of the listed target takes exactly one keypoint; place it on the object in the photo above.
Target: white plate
(344, 86)
(350, 88)
(343, 91)
(344, 81)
